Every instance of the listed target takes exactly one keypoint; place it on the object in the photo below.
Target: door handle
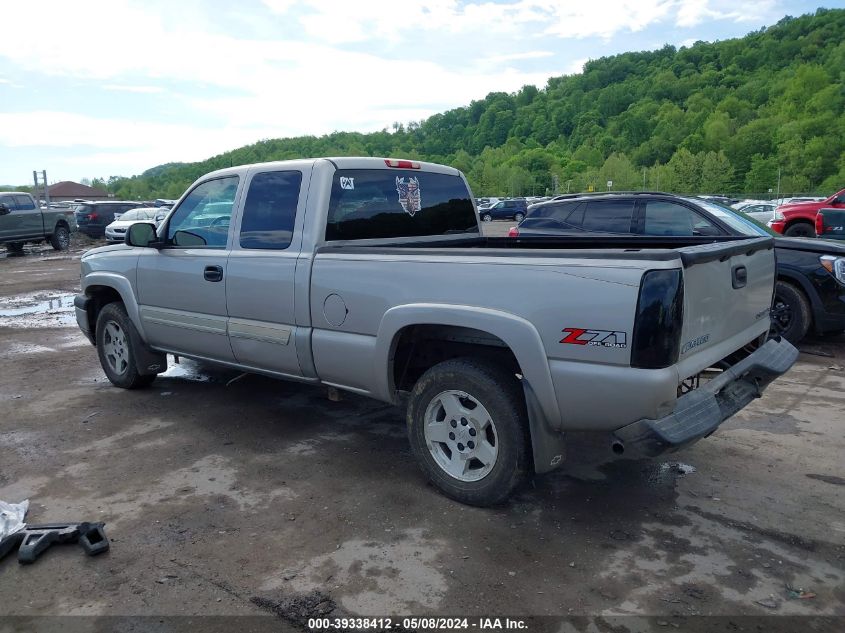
(213, 273)
(739, 277)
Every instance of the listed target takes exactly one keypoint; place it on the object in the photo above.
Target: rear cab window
(270, 210)
(390, 203)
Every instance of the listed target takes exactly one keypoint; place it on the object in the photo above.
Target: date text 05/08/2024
(424, 623)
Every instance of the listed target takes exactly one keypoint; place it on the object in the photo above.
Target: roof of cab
(340, 162)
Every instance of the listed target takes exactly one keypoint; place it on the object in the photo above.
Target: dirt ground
(240, 495)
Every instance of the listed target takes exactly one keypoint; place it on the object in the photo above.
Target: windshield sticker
(347, 183)
(409, 194)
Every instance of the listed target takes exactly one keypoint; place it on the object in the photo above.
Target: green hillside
(713, 117)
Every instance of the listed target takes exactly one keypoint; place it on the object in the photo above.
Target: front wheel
(467, 426)
(117, 342)
(800, 229)
(487, 217)
(60, 239)
(790, 313)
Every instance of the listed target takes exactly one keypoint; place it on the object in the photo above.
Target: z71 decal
(598, 338)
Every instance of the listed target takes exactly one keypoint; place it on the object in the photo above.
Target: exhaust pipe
(617, 446)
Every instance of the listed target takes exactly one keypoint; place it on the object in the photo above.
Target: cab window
(270, 210)
(202, 220)
(669, 218)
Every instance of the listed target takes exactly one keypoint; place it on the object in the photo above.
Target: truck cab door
(28, 217)
(182, 285)
(6, 219)
(260, 291)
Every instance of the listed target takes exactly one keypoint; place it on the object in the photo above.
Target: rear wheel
(117, 342)
(467, 426)
(790, 312)
(60, 239)
(800, 229)
(519, 217)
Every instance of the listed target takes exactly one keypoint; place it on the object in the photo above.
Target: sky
(99, 88)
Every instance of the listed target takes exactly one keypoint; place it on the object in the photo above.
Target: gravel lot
(236, 494)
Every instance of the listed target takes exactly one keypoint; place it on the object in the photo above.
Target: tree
(717, 175)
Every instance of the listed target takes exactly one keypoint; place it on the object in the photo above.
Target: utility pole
(643, 178)
(777, 195)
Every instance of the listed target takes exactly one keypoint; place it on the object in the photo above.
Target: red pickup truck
(799, 218)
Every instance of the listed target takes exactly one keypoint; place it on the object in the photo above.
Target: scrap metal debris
(32, 540)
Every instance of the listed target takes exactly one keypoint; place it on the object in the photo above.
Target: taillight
(819, 223)
(92, 216)
(513, 232)
(660, 316)
(401, 164)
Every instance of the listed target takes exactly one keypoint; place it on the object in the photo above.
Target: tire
(487, 403)
(800, 229)
(15, 248)
(60, 239)
(117, 341)
(790, 313)
(519, 217)
(487, 217)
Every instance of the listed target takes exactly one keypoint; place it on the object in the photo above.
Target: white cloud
(577, 66)
(693, 12)
(510, 57)
(340, 65)
(136, 89)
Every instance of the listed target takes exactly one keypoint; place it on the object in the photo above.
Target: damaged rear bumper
(700, 412)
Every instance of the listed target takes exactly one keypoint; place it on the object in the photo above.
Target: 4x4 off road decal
(598, 338)
(409, 194)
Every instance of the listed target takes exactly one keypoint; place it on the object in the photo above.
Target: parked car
(810, 290)
(116, 231)
(372, 275)
(22, 221)
(758, 209)
(798, 219)
(509, 209)
(93, 217)
(830, 224)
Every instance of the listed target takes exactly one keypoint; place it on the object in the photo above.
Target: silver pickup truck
(371, 275)
(22, 221)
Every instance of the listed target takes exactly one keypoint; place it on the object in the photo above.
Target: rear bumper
(700, 412)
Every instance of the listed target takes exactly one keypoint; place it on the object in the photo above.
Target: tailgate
(728, 291)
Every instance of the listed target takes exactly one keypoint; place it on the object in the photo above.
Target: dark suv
(511, 209)
(93, 217)
(810, 290)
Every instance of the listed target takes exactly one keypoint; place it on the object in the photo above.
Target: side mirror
(4, 210)
(142, 234)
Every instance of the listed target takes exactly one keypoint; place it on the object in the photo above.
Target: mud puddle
(38, 310)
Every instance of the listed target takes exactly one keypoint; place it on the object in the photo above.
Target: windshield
(138, 214)
(737, 220)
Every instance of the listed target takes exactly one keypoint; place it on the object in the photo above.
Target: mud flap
(547, 445)
(147, 361)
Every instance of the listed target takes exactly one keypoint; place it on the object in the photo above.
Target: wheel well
(101, 295)
(417, 348)
(799, 221)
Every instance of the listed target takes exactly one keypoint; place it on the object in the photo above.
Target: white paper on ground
(12, 517)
